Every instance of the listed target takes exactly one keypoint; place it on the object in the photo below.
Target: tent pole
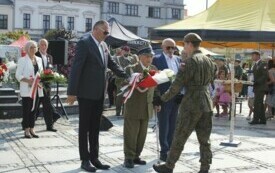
(231, 141)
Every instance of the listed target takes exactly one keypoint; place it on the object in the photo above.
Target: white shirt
(44, 58)
(172, 63)
(99, 48)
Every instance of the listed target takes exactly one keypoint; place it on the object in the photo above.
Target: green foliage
(9, 37)
(56, 34)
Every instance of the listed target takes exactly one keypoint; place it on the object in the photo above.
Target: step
(7, 91)
(61, 91)
(8, 99)
(14, 110)
(62, 98)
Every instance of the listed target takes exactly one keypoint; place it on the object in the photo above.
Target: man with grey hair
(169, 110)
(87, 84)
(49, 111)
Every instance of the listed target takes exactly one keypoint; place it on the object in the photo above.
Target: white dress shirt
(100, 49)
(172, 63)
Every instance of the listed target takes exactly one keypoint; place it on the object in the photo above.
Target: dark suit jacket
(260, 73)
(89, 73)
(49, 59)
(160, 62)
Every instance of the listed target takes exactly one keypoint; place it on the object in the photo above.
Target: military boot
(162, 168)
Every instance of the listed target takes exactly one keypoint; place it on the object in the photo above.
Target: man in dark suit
(260, 74)
(169, 110)
(49, 112)
(87, 84)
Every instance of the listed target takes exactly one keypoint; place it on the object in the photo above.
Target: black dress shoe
(138, 161)
(161, 168)
(253, 122)
(51, 129)
(128, 163)
(34, 135)
(99, 165)
(86, 165)
(163, 157)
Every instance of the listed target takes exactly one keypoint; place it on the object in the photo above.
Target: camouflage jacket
(195, 75)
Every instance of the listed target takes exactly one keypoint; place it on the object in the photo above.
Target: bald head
(168, 46)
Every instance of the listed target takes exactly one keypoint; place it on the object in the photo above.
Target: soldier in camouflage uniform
(123, 61)
(195, 111)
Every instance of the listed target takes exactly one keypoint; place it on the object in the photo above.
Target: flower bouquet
(3, 73)
(59, 78)
(47, 76)
(145, 80)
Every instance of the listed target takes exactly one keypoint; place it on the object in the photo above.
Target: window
(58, 22)
(26, 21)
(70, 23)
(154, 12)
(89, 23)
(114, 7)
(46, 22)
(133, 29)
(176, 13)
(131, 10)
(3, 21)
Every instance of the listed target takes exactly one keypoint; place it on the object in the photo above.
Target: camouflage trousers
(188, 121)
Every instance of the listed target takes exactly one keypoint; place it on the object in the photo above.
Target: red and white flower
(142, 82)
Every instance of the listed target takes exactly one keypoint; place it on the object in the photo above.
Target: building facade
(38, 16)
(141, 16)
(6, 16)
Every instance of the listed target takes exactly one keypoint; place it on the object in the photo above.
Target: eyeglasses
(170, 47)
(33, 47)
(104, 32)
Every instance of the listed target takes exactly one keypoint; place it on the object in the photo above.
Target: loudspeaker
(105, 124)
(59, 50)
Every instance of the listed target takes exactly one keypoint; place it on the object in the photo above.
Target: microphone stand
(58, 100)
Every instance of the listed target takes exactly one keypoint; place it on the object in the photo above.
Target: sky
(196, 6)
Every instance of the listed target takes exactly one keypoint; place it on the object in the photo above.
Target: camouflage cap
(192, 37)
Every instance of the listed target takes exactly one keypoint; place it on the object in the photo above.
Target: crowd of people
(95, 72)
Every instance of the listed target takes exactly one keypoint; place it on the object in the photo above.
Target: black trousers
(28, 115)
(48, 108)
(90, 112)
(111, 89)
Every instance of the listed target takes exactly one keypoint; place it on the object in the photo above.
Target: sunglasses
(170, 47)
(104, 32)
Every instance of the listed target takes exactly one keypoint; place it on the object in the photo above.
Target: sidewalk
(58, 152)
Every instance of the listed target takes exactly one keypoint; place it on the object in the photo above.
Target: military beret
(125, 48)
(256, 52)
(145, 49)
(192, 37)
